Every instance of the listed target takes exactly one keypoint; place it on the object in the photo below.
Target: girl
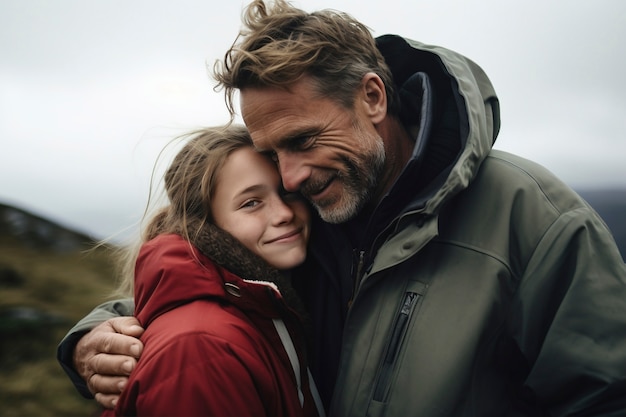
(221, 338)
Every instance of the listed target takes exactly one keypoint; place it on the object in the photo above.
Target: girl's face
(251, 205)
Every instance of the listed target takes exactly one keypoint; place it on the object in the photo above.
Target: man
(444, 277)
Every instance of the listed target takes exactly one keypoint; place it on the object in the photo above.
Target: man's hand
(106, 355)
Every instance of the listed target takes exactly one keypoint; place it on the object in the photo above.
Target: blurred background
(91, 92)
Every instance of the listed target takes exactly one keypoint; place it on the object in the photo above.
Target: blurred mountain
(37, 232)
(50, 277)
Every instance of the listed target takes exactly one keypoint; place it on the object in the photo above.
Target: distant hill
(37, 232)
(50, 277)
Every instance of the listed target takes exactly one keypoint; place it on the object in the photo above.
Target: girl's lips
(287, 236)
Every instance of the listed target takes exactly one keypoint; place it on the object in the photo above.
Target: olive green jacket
(496, 291)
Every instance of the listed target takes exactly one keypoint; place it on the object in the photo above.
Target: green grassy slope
(43, 292)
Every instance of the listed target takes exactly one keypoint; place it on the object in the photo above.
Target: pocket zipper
(399, 329)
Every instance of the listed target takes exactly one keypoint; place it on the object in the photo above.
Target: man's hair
(278, 44)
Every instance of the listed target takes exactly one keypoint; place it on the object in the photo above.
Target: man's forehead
(257, 102)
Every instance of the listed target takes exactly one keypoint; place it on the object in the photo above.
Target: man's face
(330, 154)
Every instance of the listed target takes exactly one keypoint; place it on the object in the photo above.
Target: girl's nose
(281, 211)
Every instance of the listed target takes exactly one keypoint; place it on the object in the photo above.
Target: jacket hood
(451, 108)
(448, 105)
(171, 271)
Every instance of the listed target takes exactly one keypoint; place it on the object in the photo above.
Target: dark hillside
(49, 279)
(35, 232)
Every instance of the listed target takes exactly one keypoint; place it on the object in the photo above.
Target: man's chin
(335, 213)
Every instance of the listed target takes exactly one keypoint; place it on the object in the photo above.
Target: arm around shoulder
(100, 314)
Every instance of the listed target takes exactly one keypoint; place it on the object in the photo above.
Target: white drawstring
(295, 364)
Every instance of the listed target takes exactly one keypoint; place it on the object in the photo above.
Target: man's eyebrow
(290, 137)
(286, 140)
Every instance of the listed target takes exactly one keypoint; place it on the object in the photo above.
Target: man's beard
(359, 180)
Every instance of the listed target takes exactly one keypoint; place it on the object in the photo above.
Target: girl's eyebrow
(251, 189)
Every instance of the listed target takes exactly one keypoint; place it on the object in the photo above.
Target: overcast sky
(91, 91)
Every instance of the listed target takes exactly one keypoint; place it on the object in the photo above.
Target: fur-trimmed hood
(171, 271)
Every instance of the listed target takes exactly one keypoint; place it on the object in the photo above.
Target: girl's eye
(250, 203)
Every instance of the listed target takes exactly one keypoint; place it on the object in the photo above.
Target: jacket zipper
(359, 271)
(358, 259)
(393, 347)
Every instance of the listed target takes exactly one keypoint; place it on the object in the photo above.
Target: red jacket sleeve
(200, 375)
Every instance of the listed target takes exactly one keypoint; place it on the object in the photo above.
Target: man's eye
(301, 143)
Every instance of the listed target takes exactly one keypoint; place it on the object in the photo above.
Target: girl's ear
(374, 97)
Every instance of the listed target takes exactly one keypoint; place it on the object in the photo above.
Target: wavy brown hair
(278, 44)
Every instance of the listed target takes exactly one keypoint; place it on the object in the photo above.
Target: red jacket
(211, 342)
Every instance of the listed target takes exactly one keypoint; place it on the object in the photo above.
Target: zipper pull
(393, 347)
(357, 269)
(408, 303)
(400, 325)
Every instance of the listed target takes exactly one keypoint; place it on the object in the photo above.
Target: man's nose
(293, 172)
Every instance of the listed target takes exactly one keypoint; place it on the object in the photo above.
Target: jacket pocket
(393, 346)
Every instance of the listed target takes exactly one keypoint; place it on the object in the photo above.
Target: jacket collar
(171, 271)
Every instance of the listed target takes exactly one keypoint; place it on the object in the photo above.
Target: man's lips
(314, 191)
(286, 236)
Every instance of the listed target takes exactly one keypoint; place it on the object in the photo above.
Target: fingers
(108, 389)
(126, 325)
(113, 344)
(107, 400)
(109, 380)
(105, 365)
(107, 386)
(104, 357)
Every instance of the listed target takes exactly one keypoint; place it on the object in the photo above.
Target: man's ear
(374, 97)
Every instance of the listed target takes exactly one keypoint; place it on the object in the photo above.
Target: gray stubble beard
(359, 182)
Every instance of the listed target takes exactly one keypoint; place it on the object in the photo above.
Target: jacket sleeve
(571, 326)
(200, 375)
(100, 314)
